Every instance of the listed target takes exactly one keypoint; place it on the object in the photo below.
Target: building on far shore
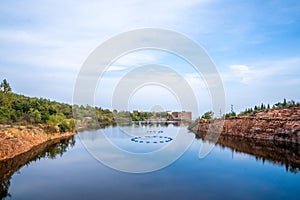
(180, 116)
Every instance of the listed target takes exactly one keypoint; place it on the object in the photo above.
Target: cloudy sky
(255, 46)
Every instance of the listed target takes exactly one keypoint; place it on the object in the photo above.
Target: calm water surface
(72, 173)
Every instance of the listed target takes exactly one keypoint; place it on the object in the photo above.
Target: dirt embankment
(281, 124)
(15, 140)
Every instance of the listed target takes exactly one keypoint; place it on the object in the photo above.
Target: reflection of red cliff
(274, 124)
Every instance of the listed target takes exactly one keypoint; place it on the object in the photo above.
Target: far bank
(279, 124)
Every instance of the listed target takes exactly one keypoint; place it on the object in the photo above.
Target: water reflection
(138, 148)
(79, 176)
(48, 150)
(160, 123)
(282, 153)
(4, 186)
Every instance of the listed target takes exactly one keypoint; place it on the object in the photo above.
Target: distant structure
(180, 116)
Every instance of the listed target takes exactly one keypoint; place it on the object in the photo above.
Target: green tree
(164, 114)
(72, 124)
(35, 116)
(63, 126)
(232, 111)
(284, 104)
(5, 87)
(208, 115)
(6, 96)
(56, 119)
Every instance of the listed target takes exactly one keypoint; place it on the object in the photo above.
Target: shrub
(72, 124)
(56, 119)
(63, 126)
(208, 115)
(35, 116)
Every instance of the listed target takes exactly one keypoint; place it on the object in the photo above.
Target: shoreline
(282, 124)
(16, 140)
(10, 165)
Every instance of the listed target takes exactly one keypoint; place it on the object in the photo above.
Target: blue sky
(255, 45)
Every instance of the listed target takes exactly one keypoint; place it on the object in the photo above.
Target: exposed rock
(17, 140)
(274, 124)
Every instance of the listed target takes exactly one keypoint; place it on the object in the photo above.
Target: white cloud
(53, 38)
(138, 58)
(22, 37)
(115, 68)
(264, 72)
(262, 81)
(242, 72)
(279, 67)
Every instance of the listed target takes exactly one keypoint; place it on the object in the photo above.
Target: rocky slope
(281, 124)
(16, 140)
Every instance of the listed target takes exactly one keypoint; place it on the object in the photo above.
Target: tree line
(252, 110)
(23, 110)
(15, 108)
(262, 107)
(62, 117)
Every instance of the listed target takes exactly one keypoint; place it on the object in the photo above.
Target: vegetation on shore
(209, 115)
(55, 116)
(22, 110)
(61, 117)
(251, 111)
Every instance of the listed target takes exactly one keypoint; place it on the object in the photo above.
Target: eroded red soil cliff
(281, 124)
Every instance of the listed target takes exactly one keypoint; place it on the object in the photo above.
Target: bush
(56, 119)
(72, 124)
(35, 116)
(63, 126)
(207, 115)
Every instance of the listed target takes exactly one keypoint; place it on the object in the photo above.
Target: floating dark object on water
(150, 131)
(152, 139)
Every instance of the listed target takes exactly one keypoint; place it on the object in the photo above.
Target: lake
(234, 169)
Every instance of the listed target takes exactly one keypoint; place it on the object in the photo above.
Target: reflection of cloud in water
(122, 154)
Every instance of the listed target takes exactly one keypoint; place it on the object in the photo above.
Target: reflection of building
(180, 116)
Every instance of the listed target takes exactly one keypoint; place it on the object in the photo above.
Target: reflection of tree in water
(282, 153)
(4, 188)
(159, 123)
(54, 150)
(8, 167)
